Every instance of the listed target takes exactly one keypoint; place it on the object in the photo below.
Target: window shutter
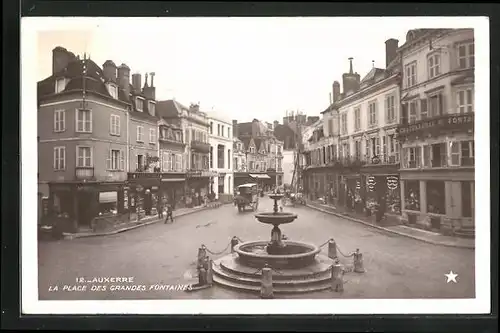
(378, 146)
(386, 109)
(122, 160)
(108, 160)
(56, 154)
(440, 105)
(118, 125)
(136, 162)
(63, 158)
(423, 108)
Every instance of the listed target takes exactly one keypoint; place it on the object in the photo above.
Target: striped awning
(169, 180)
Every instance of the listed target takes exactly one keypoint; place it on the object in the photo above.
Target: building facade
(263, 155)
(220, 138)
(436, 131)
(83, 124)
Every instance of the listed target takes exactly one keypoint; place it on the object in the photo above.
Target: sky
(240, 68)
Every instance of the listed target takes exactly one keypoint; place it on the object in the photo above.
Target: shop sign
(375, 160)
(448, 121)
(139, 188)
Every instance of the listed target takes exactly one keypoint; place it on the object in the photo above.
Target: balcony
(171, 140)
(201, 147)
(84, 173)
(437, 125)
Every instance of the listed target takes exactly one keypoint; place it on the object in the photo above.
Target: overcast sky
(243, 68)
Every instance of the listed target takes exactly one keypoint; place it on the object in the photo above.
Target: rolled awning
(263, 176)
(105, 197)
(173, 180)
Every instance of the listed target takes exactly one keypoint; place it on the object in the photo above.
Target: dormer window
(152, 108)
(113, 90)
(139, 104)
(60, 85)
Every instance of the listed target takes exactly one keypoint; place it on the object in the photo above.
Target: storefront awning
(257, 176)
(105, 197)
(169, 180)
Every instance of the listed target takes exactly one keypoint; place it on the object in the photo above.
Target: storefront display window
(467, 199)
(412, 195)
(435, 197)
(108, 202)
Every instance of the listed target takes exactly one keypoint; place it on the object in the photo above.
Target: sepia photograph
(255, 165)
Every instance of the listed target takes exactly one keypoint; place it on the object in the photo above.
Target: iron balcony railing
(84, 173)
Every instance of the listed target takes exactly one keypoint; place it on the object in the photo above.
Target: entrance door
(84, 209)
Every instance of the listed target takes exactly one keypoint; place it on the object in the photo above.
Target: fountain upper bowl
(275, 196)
(276, 218)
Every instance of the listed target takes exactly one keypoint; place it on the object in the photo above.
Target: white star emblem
(451, 277)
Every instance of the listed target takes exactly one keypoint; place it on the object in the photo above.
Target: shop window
(435, 197)
(108, 203)
(467, 199)
(412, 195)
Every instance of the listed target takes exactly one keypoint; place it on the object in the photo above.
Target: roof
(245, 128)
(170, 108)
(373, 75)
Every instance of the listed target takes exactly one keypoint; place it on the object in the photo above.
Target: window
(412, 195)
(113, 91)
(140, 134)
(229, 158)
(139, 104)
(235, 163)
(436, 105)
(467, 198)
(367, 148)
(413, 111)
(411, 74)
(435, 156)
(412, 157)
(152, 135)
(114, 125)
(344, 123)
(357, 119)
(178, 162)
(435, 197)
(115, 160)
(433, 63)
(211, 127)
(220, 156)
(211, 157)
(372, 114)
(59, 158)
(59, 120)
(467, 153)
(83, 156)
(60, 85)
(465, 101)
(218, 129)
(84, 120)
(152, 108)
(252, 150)
(390, 109)
(164, 165)
(357, 149)
(222, 131)
(466, 55)
(170, 161)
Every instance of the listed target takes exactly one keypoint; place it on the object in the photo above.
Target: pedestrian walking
(170, 215)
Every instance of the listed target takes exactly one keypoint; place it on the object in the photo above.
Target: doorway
(84, 209)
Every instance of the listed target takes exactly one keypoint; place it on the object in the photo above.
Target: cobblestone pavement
(161, 254)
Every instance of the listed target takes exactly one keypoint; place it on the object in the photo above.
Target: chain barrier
(338, 248)
(217, 253)
(239, 239)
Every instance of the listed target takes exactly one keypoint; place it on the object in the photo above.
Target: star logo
(451, 277)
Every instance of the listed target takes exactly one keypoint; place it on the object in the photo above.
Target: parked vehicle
(247, 196)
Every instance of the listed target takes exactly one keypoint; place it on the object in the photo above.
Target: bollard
(358, 262)
(337, 278)
(332, 249)
(202, 253)
(210, 272)
(266, 288)
(202, 276)
(234, 242)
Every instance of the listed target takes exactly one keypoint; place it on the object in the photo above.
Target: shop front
(198, 186)
(172, 189)
(262, 180)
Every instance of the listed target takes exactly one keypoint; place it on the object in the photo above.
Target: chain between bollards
(217, 253)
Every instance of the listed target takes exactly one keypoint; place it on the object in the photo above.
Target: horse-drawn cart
(247, 196)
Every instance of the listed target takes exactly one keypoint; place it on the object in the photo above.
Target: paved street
(397, 267)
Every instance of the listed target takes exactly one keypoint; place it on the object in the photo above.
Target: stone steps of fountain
(277, 289)
(228, 272)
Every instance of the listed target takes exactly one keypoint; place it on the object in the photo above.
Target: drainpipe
(128, 141)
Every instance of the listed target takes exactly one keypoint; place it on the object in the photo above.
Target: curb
(68, 236)
(422, 239)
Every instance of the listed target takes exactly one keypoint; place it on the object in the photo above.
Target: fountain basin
(298, 255)
(276, 218)
(276, 196)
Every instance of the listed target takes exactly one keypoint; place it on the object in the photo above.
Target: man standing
(170, 210)
(159, 207)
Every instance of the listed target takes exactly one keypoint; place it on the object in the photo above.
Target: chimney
(391, 48)
(61, 58)
(137, 82)
(235, 129)
(335, 91)
(109, 70)
(124, 79)
(149, 90)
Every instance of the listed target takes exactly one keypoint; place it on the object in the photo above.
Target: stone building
(220, 137)
(437, 129)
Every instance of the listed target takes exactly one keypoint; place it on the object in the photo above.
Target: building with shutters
(87, 124)
(220, 138)
(437, 130)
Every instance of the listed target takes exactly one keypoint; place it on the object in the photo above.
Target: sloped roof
(170, 108)
(245, 128)
(372, 75)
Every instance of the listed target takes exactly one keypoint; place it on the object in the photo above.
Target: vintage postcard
(255, 165)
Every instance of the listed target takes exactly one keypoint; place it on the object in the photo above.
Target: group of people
(161, 205)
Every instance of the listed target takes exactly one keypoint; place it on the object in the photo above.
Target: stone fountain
(298, 267)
